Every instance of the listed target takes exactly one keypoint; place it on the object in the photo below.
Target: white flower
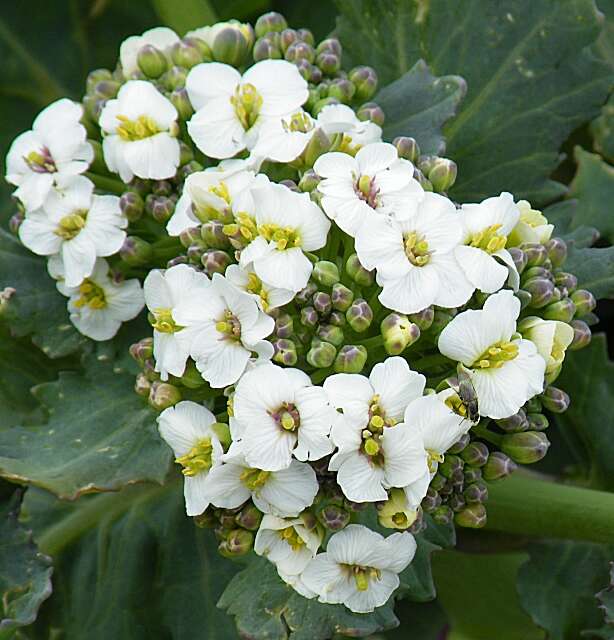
(283, 493)
(286, 224)
(289, 544)
(187, 429)
(139, 129)
(360, 568)
(414, 258)
(280, 414)
(532, 227)
(551, 337)
(482, 255)
(99, 306)
(164, 292)
(375, 452)
(339, 118)
(376, 181)
(267, 297)
(162, 38)
(209, 33)
(505, 371)
(231, 109)
(225, 326)
(77, 225)
(55, 148)
(440, 426)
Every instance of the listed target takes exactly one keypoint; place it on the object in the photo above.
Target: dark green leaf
(594, 269)
(604, 47)
(100, 436)
(418, 104)
(602, 130)
(427, 621)
(25, 573)
(561, 215)
(557, 586)
(183, 15)
(606, 603)
(266, 608)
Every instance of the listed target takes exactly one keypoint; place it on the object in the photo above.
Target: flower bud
(231, 46)
(142, 386)
(333, 517)
(15, 222)
(584, 301)
(238, 542)
(536, 253)
(450, 464)
(438, 482)
(557, 251)
(342, 89)
(189, 237)
(160, 208)
(320, 104)
(331, 333)
(181, 102)
(581, 335)
(473, 516)
(456, 502)
(373, 112)
(152, 62)
(566, 280)
(431, 500)
(351, 359)
(206, 520)
(321, 355)
(358, 273)
(341, 297)
(359, 315)
(96, 76)
(175, 261)
(328, 63)
(499, 465)
(309, 181)
(555, 400)
(266, 49)
(306, 36)
(525, 448)
(441, 319)
(514, 424)
(163, 395)
(285, 352)
(472, 474)
(131, 205)
(322, 302)
(460, 444)
(537, 421)
(271, 21)
(106, 89)
(191, 377)
(249, 517)
(396, 512)
(562, 310)
(215, 261)
(365, 81)
(288, 37)
(536, 272)
(443, 175)
(309, 317)
(300, 51)
(541, 290)
(186, 53)
(142, 350)
(424, 319)
(284, 325)
(135, 251)
(337, 318)
(304, 295)
(398, 333)
(326, 273)
(194, 253)
(330, 45)
(519, 257)
(407, 148)
(443, 515)
(213, 236)
(174, 78)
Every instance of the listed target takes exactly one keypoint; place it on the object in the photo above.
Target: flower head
(551, 337)
(162, 38)
(532, 226)
(267, 297)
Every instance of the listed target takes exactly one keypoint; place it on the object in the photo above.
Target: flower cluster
(332, 336)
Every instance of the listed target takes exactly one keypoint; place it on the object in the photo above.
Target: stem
(483, 432)
(371, 343)
(526, 505)
(107, 184)
(320, 374)
(430, 361)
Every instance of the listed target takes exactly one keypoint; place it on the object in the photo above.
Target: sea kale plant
(270, 290)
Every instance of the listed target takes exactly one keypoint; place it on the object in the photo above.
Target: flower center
(292, 538)
(229, 325)
(244, 227)
(416, 249)
(254, 478)
(367, 190)
(254, 286)
(197, 459)
(247, 103)
(364, 575)
(162, 320)
(139, 129)
(496, 355)
(433, 459)
(91, 295)
(298, 122)
(204, 211)
(372, 435)
(284, 237)
(40, 161)
(489, 239)
(287, 417)
(401, 520)
(70, 226)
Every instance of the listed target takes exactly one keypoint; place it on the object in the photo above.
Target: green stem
(321, 374)
(526, 505)
(430, 361)
(371, 343)
(483, 432)
(107, 184)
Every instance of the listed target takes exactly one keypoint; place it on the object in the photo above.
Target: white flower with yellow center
(414, 258)
(164, 292)
(268, 298)
(375, 450)
(290, 544)
(339, 118)
(188, 429)
(482, 255)
(226, 327)
(231, 109)
(99, 306)
(376, 181)
(284, 493)
(551, 337)
(360, 568)
(280, 414)
(285, 225)
(140, 130)
(55, 149)
(533, 226)
(162, 38)
(77, 225)
(505, 370)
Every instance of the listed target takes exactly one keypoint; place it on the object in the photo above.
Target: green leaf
(606, 603)
(129, 566)
(183, 15)
(418, 104)
(593, 185)
(427, 621)
(594, 269)
(604, 46)
(25, 573)
(266, 608)
(557, 586)
(602, 130)
(100, 437)
(561, 215)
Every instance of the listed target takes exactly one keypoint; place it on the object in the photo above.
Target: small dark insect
(467, 394)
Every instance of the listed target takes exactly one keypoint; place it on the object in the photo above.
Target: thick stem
(535, 507)
(107, 184)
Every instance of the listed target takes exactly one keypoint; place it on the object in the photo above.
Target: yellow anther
(284, 237)
(433, 459)
(377, 422)
(489, 239)
(71, 225)
(365, 184)
(246, 102)
(139, 129)
(197, 459)
(91, 295)
(254, 479)
(162, 320)
(416, 249)
(372, 447)
(496, 355)
(287, 421)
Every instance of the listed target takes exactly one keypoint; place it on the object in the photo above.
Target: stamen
(162, 320)
(139, 129)
(247, 103)
(489, 239)
(254, 479)
(197, 459)
(92, 295)
(70, 226)
(496, 355)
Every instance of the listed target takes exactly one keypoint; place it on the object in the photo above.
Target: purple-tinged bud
(181, 102)
(562, 310)
(15, 222)
(525, 448)
(524, 297)
(106, 89)
(557, 251)
(266, 49)
(213, 236)
(322, 302)
(328, 63)
(231, 46)
(188, 169)
(460, 444)
(438, 482)
(189, 237)
(162, 188)
(249, 517)
(330, 45)
(284, 325)
(96, 76)
(333, 517)
(186, 53)
(163, 395)
(407, 148)
(398, 333)
(514, 424)
(326, 273)
(499, 465)
(536, 253)
(271, 21)
(471, 475)
(175, 261)
(304, 295)
(342, 89)
(431, 500)
(441, 319)
(581, 335)
(337, 318)
(341, 297)
(135, 251)
(206, 520)
(331, 333)
(473, 516)
(566, 280)
(93, 106)
(300, 51)
(456, 502)
(365, 81)
(322, 354)
(450, 464)
(359, 315)
(306, 36)
(174, 78)
(285, 352)
(584, 301)
(287, 37)
(142, 386)
(519, 257)
(194, 253)
(358, 273)
(555, 400)
(475, 454)
(424, 319)
(215, 261)
(160, 208)
(238, 542)
(152, 62)
(351, 359)
(131, 205)
(373, 112)
(536, 272)
(309, 181)
(443, 175)
(422, 180)
(443, 515)
(541, 290)
(457, 479)
(309, 317)
(537, 421)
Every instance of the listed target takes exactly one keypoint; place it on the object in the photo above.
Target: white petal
(280, 84)
(481, 269)
(289, 491)
(375, 157)
(225, 488)
(361, 480)
(396, 385)
(404, 456)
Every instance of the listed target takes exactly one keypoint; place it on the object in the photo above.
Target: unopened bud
(373, 112)
(174, 78)
(443, 175)
(473, 516)
(537, 421)
(213, 236)
(194, 253)
(131, 205)
(215, 261)
(536, 253)
(304, 295)
(288, 37)
(190, 236)
(557, 251)
(266, 49)
(152, 62)
(331, 333)
(519, 257)
(333, 517)
(351, 359)
(249, 517)
(300, 51)
(160, 208)
(238, 542)
(562, 279)
(96, 76)
(106, 89)
(135, 251)
(163, 395)
(142, 386)
(231, 46)
(456, 502)
(309, 181)
(309, 317)
(407, 148)
(365, 81)
(341, 297)
(359, 315)
(15, 222)
(342, 89)
(320, 104)
(271, 21)
(285, 352)
(514, 424)
(562, 310)
(431, 500)
(398, 333)
(472, 474)
(581, 335)
(321, 355)
(181, 102)
(441, 319)
(584, 301)
(337, 318)
(450, 464)
(460, 444)
(424, 319)
(555, 400)
(443, 515)
(191, 378)
(499, 465)
(328, 63)
(541, 290)
(186, 53)
(525, 448)
(358, 273)
(322, 302)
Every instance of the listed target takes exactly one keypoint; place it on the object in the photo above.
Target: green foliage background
(516, 92)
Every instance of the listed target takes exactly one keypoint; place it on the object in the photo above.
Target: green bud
(322, 302)
(424, 319)
(407, 148)
(239, 542)
(525, 448)
(174, 78)
(304, 295)
(422, 180)
(131, 205)
(450, 464)
(215, 261)
(443, 515)
(306, 36)
(342, 89)
(431, 501)
(142, 350)
(185, 153)
(231, 46)
(186, 53)
(584, 301)
(213, 236)
(519, 257)
(320, 104)
(300, 51)
(321, 355)
(96, 76)
(472, 474)
(194, 253)
(555, 400)
(15, 222)
(309, 317)
(288, 37)
(331, 333)
(285, 352)
(359, 315)
(135, 251)
(438, 482)
(266, 49)
(541, 290)
(456, 502)
(514, 424)
(537, 421)
(181, 102)
(536, 272)
(443, 175)
(341, 297)
(318, 144)
(581, 335)
(330, 45)
(160, 208)
(163, 395)
(524, 297)
(565, 280)
(309, 181)
(106, 89)
(152, 62)
(351, 359)
(441, 319)
(358, 273)
(557, 251)
(206, 520)
(333, 517)
(271, 21)
(499, 465)
(191, 377)
(460, 444)
(365, 81)
(473, 516)
(398, 333)
(191, 236)
(249, 517)
(373, 112)
(337, 318)
(329, 63)
(536, 253)
(562, 310)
